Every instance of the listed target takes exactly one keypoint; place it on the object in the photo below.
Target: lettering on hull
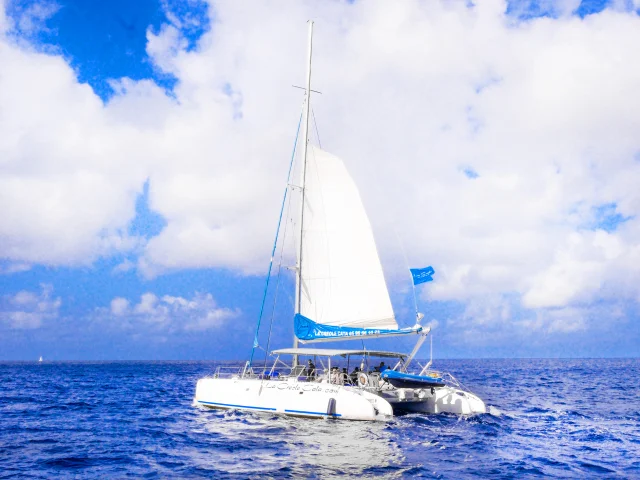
(296, 413)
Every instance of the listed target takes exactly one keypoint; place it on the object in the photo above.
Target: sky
(144, 150)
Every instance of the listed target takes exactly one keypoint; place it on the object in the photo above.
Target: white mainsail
(343, 283)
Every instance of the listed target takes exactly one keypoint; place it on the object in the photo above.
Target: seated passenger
(354, 374)
(382, 367)
(335, 375)
(311, 370)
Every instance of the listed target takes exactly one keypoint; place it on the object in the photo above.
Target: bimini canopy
(334, 352)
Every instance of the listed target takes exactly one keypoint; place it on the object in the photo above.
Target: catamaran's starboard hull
(292, 397)
(442, 400)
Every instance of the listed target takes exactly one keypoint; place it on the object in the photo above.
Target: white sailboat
(341, 294)
(40, 359)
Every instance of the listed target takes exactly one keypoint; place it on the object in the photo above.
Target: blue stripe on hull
(301, 412)
(230, 405)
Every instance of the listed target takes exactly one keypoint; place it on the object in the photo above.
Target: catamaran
(340, 294)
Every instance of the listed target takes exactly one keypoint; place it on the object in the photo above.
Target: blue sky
(149, 149)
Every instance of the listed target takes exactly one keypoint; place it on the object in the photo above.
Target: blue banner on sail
(309, 331)
(422, 275)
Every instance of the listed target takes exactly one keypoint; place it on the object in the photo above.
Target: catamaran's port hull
(292, 397)
(440, 400)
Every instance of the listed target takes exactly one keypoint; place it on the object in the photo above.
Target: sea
(555, 418)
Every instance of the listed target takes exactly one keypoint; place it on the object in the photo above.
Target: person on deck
(382, 367)
(335, 376)
(311, 369)
(354, 374)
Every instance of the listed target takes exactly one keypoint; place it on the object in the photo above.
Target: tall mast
(305, 143)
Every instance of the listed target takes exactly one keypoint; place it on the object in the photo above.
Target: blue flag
(422, 275)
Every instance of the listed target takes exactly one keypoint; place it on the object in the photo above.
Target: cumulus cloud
(31, 19)
(14, 268)
(498, 320)
(416, 95)
(169, 313)
(119, 306)
(28, 310)
(124, 267)
(62, 193)
(4, 21)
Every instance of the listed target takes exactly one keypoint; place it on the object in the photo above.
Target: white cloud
(564, 320)
(123, 267)
(28, 310)
(4, 21)
(498, 321)
(544, 111)
(15, 268)
(169, 313)
(580, 268)
(32, 18)
(63, 197)
(119, 306)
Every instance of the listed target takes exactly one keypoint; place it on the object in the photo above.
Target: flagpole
(415, 298)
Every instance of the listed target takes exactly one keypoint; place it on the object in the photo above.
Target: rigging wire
(406, 262)
(278, 276)
(275, 243)
(316, 127)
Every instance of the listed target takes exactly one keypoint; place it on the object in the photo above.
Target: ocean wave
(545, 419)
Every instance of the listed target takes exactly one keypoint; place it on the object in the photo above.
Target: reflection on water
(275, 443)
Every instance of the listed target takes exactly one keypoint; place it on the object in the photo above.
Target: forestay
(342, 280)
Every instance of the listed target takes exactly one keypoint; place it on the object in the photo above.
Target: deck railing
(320, 375)
(300, 373)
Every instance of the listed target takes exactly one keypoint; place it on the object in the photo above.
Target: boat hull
(439, 400)
(292, 397)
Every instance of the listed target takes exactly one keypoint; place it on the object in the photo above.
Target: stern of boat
(439, 400)
(453, 400)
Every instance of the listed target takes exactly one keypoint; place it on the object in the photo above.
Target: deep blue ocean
(548, 418)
